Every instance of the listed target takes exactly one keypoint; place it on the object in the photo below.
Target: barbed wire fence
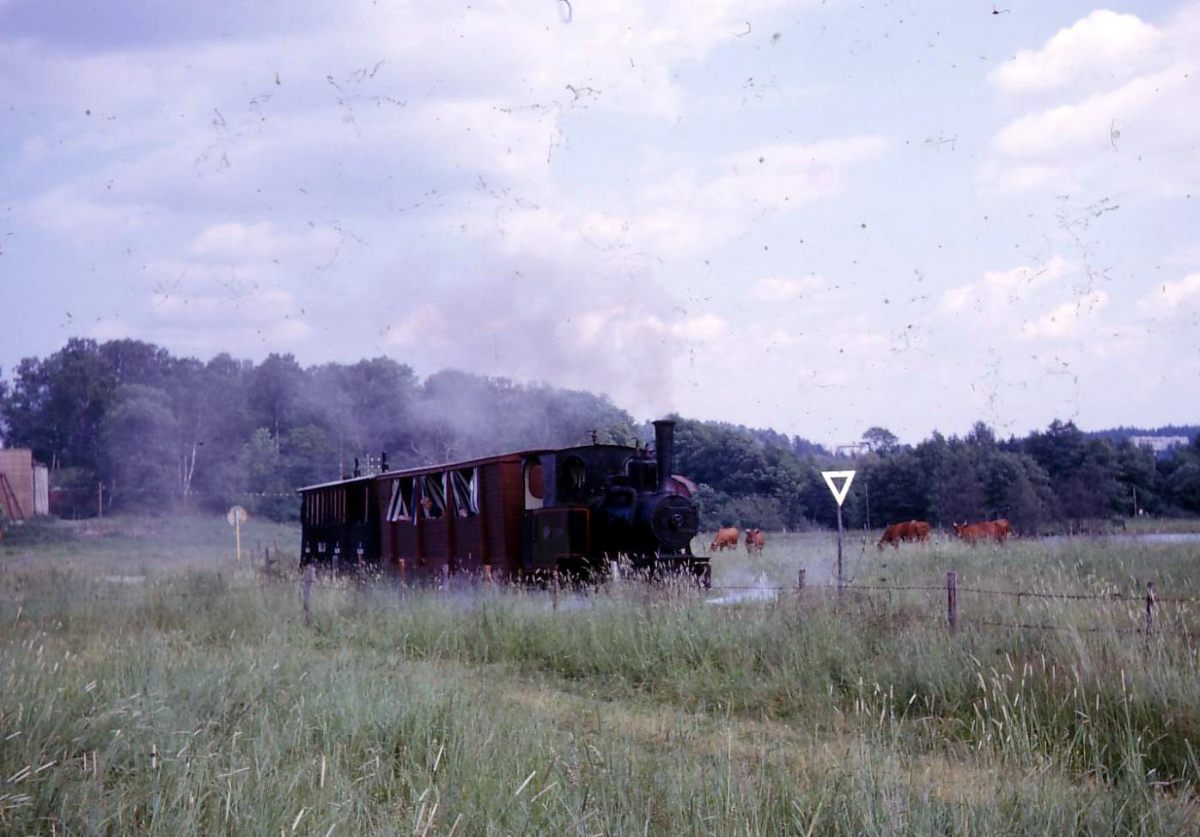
(1149, 628)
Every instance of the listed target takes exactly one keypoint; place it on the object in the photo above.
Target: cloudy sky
(814, 216)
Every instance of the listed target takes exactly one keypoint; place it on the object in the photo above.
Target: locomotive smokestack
(664, 451)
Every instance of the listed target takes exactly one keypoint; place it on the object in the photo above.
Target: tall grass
(198, 701)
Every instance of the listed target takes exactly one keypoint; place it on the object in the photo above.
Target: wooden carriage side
(340, 524)
(462, 518)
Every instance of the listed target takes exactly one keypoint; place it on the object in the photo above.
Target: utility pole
(867, 490)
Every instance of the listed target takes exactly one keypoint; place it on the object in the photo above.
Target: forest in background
(161, 432)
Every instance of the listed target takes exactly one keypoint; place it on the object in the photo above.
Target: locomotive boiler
(573, 512)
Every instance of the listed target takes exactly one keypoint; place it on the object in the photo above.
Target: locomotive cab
(607, 503)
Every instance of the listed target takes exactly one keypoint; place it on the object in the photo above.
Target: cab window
(534, 492)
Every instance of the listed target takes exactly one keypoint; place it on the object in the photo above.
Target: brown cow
(893, 535)
(1002, 530)
(755, 541)
(987, 530)
(727, 538)
(911, 530)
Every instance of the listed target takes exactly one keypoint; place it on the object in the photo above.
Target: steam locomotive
(573, 512)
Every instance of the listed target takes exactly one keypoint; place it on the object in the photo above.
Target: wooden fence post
(1150, 599)
(800, 580)
(309, 574)
(952, 600)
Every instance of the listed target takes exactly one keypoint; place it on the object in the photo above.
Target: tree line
(1057, 478)
(159, 432)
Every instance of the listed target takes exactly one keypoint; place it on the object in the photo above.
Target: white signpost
(236, 517)
(839, 493)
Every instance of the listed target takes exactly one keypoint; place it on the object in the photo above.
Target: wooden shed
(24, 485)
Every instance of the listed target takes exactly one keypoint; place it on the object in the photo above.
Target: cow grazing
(756, 539)
(911, 530)
(920, 531)
(1002, 530)
(727, 538)
(892, 535)
(987, 530)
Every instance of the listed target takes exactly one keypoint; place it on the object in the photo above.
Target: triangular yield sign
(839, 494)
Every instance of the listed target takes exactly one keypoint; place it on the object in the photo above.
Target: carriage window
(356, 504)
(401, 506)
(433, 496)
(464, 482)
(533, 485)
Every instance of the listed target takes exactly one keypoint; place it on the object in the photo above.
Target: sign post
(236, 517)
(839, 494)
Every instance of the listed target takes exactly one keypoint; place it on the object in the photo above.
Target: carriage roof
(465, 463)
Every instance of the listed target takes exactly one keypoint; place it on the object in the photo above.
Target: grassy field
(152, 684)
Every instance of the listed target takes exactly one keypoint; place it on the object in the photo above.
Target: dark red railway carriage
(515, 516)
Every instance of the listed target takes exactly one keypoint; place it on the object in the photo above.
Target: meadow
(150, 683)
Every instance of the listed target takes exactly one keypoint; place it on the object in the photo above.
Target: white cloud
(785, 177)
(1138, 138)
(681, 214)
(702, 328)
(1070, 319)
(788, 288)
(1002, 289)
(1090, 123)
(686, 214)
(425, 325)
(76, 214)
(1102, 45)
(1018, 283)
(1014, 178)
(238, 242)
(229, 289)
(256, 111)
(1123, 120)
(34, 149)
(1172, 298)
(193, 304)
(621, 328)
